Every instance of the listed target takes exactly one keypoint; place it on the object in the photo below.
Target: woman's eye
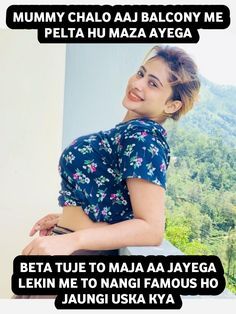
(140, 73)
(153, 84)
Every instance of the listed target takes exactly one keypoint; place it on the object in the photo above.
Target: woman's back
(94, 168)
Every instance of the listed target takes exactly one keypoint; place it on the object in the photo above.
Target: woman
(113, 182)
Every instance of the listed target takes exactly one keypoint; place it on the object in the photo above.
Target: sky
(214, 53)
(216, 61)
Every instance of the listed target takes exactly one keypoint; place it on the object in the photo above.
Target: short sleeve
(142, 155)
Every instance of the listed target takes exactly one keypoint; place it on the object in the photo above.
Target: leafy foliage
(201, 200)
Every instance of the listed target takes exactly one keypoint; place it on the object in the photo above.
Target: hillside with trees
(201, 199)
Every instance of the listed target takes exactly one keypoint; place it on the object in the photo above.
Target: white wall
(33, 122)
(31, 112)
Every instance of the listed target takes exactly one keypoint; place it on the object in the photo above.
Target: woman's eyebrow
(155, 77)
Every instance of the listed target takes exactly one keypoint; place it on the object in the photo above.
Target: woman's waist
(74, 218)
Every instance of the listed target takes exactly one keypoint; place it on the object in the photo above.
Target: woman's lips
(133, 97)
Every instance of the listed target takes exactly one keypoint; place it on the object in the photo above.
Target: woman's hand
(52, 245)
(45, 225)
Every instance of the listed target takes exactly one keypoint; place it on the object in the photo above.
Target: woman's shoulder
(145, 125)
(144, 140)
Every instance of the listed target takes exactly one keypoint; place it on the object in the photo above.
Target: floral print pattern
(94, 168)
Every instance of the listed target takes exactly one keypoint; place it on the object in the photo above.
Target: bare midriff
(74, 218)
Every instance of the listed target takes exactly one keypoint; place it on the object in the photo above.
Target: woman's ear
(172, 106)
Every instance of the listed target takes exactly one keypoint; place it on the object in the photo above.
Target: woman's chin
(130, 105)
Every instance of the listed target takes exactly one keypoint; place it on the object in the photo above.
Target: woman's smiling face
(148, 90)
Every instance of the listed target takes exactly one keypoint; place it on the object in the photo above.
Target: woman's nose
(138, 83)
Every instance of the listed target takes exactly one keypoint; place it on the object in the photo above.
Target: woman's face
(148, 90)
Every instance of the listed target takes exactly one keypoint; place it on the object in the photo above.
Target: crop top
(94, 168)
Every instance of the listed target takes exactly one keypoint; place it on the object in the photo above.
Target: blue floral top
(94, 168)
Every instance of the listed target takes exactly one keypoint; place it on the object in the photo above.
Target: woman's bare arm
(147, 227)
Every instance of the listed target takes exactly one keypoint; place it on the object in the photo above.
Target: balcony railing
(165, 249)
